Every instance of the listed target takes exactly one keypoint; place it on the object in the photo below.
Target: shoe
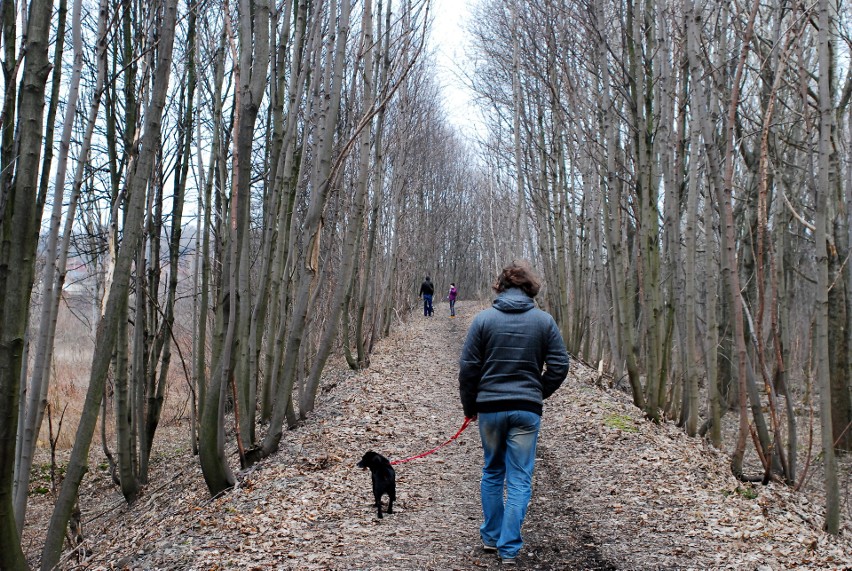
(509, 561)
(489, 548)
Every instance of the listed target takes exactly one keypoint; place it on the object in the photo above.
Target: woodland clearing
(612, 490)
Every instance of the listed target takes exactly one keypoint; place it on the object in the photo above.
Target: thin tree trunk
(366, 284)
(37, 391)
(690, 301)
(308, 400)
(207, 229)
(254, 66)
(211, 452)
(729, 266)
(107, 328)
(20, 213)
(613, 227)
(311, 231)
(125, 445)
(825, 11)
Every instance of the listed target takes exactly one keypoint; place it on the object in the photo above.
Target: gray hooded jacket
(502, 363)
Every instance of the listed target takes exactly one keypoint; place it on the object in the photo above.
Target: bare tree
(107, 328)
(20, 213)
(825, 173)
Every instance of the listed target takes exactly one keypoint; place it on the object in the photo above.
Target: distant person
(427, 290)
(503, 381)
(451, 297)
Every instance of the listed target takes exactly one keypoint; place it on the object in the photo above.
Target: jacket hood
(513, 300)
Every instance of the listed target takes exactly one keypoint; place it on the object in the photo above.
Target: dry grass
(69, 379)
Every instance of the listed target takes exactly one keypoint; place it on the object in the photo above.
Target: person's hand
(471, 418)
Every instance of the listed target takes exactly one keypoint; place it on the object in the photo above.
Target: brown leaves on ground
(611, 490)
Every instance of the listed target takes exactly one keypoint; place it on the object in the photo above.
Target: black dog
(384, 479)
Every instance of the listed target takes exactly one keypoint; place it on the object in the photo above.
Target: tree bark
(51, 285)
(20, 214)
(310, 236)
(107, 328)
(825, 11)
(353, 229)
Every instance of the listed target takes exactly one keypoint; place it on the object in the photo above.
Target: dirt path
(610, 491)
(442, 513)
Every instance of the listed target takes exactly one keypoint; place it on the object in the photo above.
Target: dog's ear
(367, 459)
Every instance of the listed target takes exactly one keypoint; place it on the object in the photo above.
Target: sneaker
(489, 548)
(509, 561)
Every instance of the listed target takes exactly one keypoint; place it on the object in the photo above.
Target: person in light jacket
(513, 358)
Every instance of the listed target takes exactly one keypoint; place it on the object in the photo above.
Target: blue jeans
(453, 307)
(427, 304)
(508, 441)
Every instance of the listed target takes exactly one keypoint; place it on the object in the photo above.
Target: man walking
(503, 382)
(427, 290)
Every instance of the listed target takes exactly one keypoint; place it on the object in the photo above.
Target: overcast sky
(449, 39)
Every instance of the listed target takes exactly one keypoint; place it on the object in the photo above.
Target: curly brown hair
(518, 274)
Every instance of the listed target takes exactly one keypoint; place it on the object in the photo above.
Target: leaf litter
(608, 494)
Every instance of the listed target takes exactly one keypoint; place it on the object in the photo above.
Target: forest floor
(611, 490)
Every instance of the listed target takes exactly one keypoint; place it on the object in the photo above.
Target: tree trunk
(125, 445)
(692, 360)
(20, 214)
(310, 236)
(51, 284)
(353, 229)
(613, 226)
(107, 328)
(729, 256)
(254, 66)
(825, 11)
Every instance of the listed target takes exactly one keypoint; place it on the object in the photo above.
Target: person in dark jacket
(513, 358)
(427, 290)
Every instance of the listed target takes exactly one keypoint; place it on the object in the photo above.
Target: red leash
(467, 421)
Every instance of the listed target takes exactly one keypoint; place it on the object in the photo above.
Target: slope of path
(308, 507)
(610, 490)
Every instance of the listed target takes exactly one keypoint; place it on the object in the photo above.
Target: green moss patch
(621, 422)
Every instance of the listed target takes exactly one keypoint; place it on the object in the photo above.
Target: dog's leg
(378, 504)
(391, 499)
